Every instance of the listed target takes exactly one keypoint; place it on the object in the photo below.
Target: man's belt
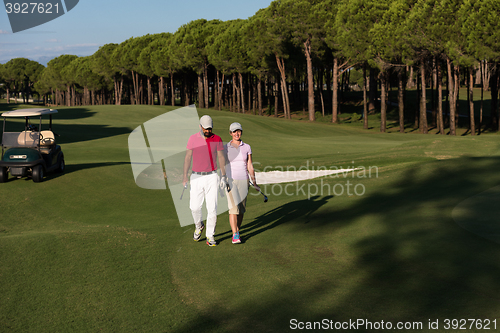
(204, 173)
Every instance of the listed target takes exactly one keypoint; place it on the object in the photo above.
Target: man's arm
(187, 164)
(222, 162)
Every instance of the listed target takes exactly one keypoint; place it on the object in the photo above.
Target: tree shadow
(299, 211)
(73, 113)
(84, 166)
(70, 133)
(68, 170)
(80, 133)
(63, 113)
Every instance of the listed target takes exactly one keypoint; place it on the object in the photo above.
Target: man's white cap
(235, 127)
(206, 122)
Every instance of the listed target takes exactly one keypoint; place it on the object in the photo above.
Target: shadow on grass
(78, 167)
(63, 114)
(69, 169)
(81, 133)
(296, 211)
(68, 133)
(412, 262)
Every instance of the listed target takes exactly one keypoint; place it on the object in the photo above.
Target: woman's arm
(251, 172)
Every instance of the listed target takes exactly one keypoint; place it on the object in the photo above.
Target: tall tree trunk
(205, 84)
(201, 103)
(365, 102)
(335, 91)
(440, 121)
(132, 94)
(433, 93)
(238, 96)
(259, 94)
(68, 96)
(172, 89)
(452, 93)
(135, 79)
(310, 80)
(242, 95)
(222, 89)
(249, 84)
(495, 111)
(141, 98)
(471, 103)
(372, 93)
(217, 90)
(423, 101)
(235, 94)
(410, 83)
(482, 99)
(117, 90)
(383, 100)
(276, 97)
(284, 90)
(161, 92)
(485, 75)
(150, 92)
(322, 103)
(401, 102)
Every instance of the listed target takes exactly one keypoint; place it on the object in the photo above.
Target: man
(204, 149)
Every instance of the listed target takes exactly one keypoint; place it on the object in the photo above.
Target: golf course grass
(90, 251)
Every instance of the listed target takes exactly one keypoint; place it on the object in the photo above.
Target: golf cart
(31, 152)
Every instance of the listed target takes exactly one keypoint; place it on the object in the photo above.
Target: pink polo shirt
(204, 151)
(238, 159)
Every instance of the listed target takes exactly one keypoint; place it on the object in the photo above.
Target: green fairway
(89, 251)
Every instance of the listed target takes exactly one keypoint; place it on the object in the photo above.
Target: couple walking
(204, 149)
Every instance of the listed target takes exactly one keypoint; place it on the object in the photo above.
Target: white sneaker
(211, 242)
(197, 232)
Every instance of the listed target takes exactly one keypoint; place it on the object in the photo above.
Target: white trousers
(204, 188)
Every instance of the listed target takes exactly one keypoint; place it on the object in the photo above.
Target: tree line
(294, 55)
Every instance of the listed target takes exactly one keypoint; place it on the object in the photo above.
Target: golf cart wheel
(61, 166)
(38, 173)
(4, 175)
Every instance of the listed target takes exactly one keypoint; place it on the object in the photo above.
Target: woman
(239, 169)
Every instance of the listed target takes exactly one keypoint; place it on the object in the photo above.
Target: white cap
(206, 122)
(235, 127)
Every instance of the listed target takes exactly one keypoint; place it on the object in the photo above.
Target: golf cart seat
(47, 138)
(27, 139)
(47, 141)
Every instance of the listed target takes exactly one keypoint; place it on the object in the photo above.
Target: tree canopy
(286, 53)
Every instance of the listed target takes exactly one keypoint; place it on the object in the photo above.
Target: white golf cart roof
(28, 112)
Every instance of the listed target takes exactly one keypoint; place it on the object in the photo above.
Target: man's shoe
(197, 232)
(211, 242)
(236, 238)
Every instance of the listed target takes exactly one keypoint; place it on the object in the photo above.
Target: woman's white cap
(235, 127)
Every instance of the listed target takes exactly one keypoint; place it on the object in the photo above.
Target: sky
(93, 23)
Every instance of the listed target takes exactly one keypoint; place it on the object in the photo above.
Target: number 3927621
(32, 8)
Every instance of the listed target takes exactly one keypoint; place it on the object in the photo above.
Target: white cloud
(53, 40)
(3, 32)
(52, 50)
